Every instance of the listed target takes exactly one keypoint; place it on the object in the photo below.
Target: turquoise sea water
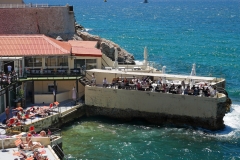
(177, 33)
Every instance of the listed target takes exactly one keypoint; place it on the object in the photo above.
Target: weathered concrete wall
(11, 1)
(159, 107)
(55, 120)
(38, 125)
(51, 21)
(64, 89)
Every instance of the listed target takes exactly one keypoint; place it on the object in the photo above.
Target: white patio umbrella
(164, 69)
(193, 73)
(145, 54)
(116, 58)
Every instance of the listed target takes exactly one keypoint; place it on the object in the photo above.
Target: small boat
(145, 1)
(105, 0)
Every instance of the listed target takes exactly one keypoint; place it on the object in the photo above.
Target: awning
(10, 58)
(152, 74)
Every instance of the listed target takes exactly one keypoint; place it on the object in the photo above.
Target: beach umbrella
(164, 69)
(116, 58)
(145, 56)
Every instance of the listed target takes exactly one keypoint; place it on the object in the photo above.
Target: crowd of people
(29, 150)
(147, 83)
(20, 115)
(8, 78)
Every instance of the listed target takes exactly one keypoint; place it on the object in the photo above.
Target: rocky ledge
(107, 47)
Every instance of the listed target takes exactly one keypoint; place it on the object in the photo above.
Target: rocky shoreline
(107, 47)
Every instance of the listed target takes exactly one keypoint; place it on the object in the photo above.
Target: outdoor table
(132, 85)
(145, 87)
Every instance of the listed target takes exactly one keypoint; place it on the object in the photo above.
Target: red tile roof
(85, 48)
(32, 45)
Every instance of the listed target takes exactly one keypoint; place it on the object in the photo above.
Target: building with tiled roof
(45, 64)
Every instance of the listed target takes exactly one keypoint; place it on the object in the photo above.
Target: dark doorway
(6, 63)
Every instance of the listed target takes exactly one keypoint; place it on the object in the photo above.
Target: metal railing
(59, 152)
(103, 60)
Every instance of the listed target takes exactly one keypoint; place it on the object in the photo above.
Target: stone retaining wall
(159, 118)
(51, 21)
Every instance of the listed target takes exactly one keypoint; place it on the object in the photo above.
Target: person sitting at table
(213, 93)
(126, 82)
(196, 91)
(105, 83)
(206, 92)
(159, 81)
(179, 89)
(133, 80)
(114, 82)
(187, 90)
(172, 89)
(139, 86)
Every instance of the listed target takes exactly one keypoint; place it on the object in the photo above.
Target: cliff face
(107, 47)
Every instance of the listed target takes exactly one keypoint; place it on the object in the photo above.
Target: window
(56, 61)
(50, 61)
(33, 62)
(85, 63)
(91, 63)
(62, 61)
(51, 88)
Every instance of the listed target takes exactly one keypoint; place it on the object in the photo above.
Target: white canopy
(10, 58)
(152, 74)
(163, 69)
(116, 58)
(145, 55)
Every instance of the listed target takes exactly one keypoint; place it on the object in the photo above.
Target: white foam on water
(232, 123)
(88, 29)
(139, 62)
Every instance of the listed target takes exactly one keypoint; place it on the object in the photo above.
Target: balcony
(54, 72)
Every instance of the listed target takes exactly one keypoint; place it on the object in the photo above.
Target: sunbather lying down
(30, 145)
(37, 155)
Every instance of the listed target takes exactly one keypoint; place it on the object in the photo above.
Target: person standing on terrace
(183, 83)
(93, 80)
(9, 68)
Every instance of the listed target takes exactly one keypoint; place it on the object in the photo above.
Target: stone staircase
(84, 81)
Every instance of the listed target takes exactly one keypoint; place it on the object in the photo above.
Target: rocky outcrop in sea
(107, 47)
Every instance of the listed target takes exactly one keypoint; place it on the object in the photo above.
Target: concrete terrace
(9, 154)
(64, 107)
